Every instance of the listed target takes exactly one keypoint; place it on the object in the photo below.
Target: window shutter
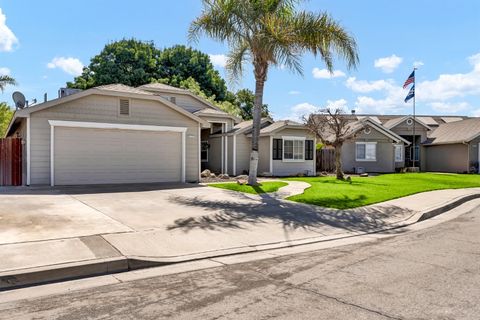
(124, 107)
(277, 149)
(309, 150)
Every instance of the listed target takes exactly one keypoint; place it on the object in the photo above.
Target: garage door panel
(103, 156)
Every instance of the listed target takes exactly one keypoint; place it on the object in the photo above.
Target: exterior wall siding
(97, 108)
(244, 145)
(264, 156)
(447, 158)
(385, 161)
(215, 154)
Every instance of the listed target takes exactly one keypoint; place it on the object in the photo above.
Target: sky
(44, 44)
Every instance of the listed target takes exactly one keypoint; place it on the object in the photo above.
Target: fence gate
(326, 160)
(11, 162)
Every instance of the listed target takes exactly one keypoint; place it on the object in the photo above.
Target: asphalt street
(428, 274)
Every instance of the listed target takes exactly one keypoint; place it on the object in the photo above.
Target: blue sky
(43, 44)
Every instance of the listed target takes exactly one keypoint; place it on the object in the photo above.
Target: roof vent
(124, 107)
(353, 111)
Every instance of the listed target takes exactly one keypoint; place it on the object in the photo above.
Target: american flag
(411, 79)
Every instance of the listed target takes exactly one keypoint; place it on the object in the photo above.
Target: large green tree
(5, 116)
(128, 61)
(271, 32)
(178, 63)
(245, 99)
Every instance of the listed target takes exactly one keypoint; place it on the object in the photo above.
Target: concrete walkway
(128, 229)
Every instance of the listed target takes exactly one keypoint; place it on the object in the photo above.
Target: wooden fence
(11, 162)
(326, 160)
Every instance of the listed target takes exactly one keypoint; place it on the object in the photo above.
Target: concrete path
(140, 225)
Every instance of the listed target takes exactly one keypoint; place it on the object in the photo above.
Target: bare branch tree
(332, 127)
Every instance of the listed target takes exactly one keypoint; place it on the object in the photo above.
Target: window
(309, 149)
(204, 151)
(398, 153)
(366, 151)
(293, 149)
(124, 108)
(277, 149)
(417, 153)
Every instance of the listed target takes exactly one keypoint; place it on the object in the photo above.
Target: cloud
(337, 104)
(4, 71)
(300, 110)
(388, 64)
(69, 65)
(449, 107)
(8, 40)
(218, 60)
(418, 64)
(294, 92)
(364, 86)
(325, 74)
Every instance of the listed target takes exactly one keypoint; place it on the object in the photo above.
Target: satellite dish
(19, 99)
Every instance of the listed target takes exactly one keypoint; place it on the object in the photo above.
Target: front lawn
(332, 193)
(263, 187)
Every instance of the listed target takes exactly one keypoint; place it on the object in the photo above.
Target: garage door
(108, 156)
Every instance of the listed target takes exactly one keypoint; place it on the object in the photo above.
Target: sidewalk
(257, 223)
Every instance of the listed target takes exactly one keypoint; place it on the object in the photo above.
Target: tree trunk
(338, 162)
(260, 76)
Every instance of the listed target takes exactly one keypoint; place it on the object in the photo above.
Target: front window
(398, 153)
(293, 149)
(366, 151)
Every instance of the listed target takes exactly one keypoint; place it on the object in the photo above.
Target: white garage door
(108, 156)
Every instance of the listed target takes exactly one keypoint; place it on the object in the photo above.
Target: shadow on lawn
(241, 215)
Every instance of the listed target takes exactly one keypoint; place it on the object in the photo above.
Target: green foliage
(342, 194)
(128, 61)
(6, 80)
(178, 63)
(245, 99)
(263, 187)
(6, 115)
(319, 146)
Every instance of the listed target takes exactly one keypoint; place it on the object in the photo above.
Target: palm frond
(6, 80)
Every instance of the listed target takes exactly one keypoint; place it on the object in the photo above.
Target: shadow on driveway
(238, 215)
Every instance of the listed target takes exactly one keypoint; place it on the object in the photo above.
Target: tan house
(384, 143)
(153, 133)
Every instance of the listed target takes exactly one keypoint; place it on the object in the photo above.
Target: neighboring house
(153, 133)
(384, 143)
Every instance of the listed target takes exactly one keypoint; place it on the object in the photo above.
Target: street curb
(69, 271)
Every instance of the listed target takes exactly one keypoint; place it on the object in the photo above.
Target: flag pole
(414, 140)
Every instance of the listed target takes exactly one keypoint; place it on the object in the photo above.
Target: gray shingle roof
(162, 86)
(279, 124)
(455, 132)
(117, 87)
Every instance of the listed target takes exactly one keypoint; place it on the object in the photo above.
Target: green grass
(332, 193)
(261, 188)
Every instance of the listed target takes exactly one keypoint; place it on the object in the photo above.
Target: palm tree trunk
(260, 76)
(338, 162)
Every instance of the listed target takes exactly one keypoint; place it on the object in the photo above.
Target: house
(153, 133)
(385, 143)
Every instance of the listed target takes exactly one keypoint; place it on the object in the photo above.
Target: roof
(356, 126)
(455, 132)
(162, 86)
(392, 123)
(118, 90)
(215, 113)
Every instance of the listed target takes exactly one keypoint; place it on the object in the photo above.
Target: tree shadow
(240, 215)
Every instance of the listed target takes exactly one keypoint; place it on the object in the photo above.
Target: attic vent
(124, 107)
(173, 100)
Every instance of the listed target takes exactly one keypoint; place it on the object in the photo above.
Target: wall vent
(124, 107)
(173, 100)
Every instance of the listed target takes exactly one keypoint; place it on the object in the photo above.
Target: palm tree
(271, 32)
(6, 80)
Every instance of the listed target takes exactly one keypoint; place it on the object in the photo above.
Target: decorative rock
(212, 175)
(364, 174)
(242, 181)
(323, 174)
(205, 173)
(224, 176)
(349, 179)
(242, 177)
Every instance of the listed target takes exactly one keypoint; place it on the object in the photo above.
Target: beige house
(384, 143)
(153, 133)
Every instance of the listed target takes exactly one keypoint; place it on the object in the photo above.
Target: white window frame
(290, 138)
(402, 152)
(366, 144)
(201, 143)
